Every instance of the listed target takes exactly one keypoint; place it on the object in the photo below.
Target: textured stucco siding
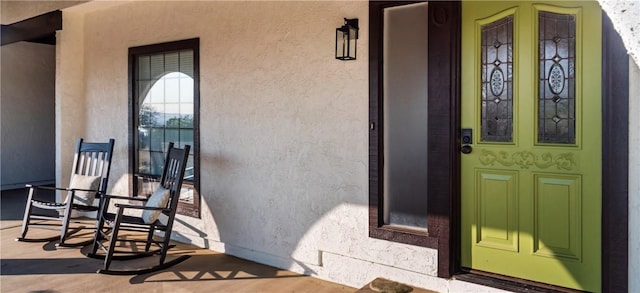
(70, 108)
(625, 15)
(283, 128)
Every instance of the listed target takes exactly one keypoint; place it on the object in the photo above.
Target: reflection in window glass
(165, 90)
(163, 118)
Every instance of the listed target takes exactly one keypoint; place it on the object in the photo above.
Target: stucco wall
(284, 149)
(625, 14)
(27, 126)
(284, 136)
(70, 104)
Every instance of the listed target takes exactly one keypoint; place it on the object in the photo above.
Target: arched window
(165, 115)
(164, 108)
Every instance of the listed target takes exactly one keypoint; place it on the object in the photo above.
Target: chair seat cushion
(158, 199)
(84, 182)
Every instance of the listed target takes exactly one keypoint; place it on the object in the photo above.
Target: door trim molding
(443, 126)
(615, 160)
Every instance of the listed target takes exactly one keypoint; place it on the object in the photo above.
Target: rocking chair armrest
(48, 187)
(80, 189)
(59, 188)
(110, 196)
(128, 206)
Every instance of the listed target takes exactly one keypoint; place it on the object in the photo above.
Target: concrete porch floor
(42, 267)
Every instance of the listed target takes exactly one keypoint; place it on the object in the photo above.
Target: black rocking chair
(110, 239)
(89, 178)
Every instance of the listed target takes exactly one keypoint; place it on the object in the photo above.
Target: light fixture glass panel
(347, 39)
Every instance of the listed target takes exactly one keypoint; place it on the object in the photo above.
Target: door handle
(466, 138)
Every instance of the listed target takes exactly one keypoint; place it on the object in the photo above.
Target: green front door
(531, 185)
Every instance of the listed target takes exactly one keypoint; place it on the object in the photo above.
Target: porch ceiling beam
(39, 29)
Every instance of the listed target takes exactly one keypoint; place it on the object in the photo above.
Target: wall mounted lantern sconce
(347, 39)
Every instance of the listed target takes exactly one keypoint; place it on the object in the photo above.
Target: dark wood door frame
(442, 124)
(615, 160)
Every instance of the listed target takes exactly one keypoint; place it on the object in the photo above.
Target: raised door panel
(497, 209)
(558, 205)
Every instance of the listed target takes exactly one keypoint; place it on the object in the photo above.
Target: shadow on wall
(276, 213)
(288, 225)
(288, 238)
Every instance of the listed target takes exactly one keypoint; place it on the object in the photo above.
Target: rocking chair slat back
(109, 236)
(175, 166)
(90, 159)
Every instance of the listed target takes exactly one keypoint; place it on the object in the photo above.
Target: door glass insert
(405, 115)
(497, 81)
(556, 83)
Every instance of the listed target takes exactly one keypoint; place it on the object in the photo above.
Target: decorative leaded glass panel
(497, 81)
(556, 83)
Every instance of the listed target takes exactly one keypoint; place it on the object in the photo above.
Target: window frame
(191, 210)
(443, 126)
